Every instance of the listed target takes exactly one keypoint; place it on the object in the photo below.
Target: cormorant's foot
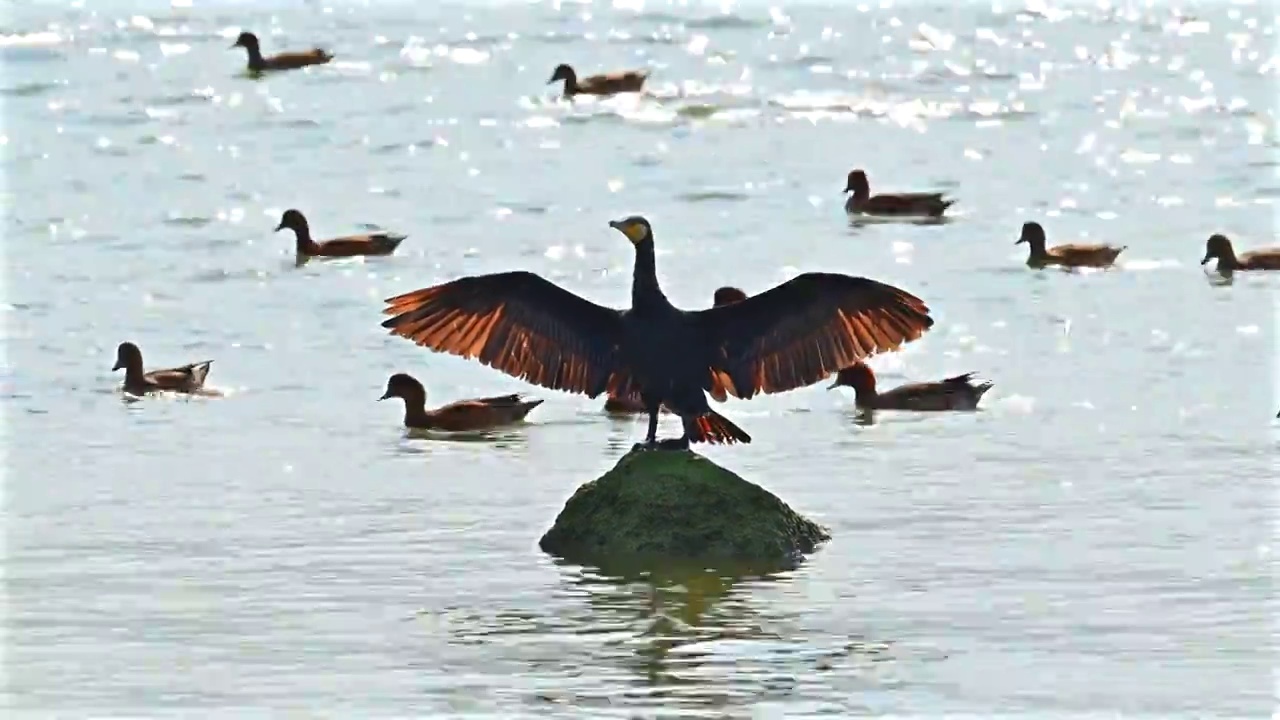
(673, 444)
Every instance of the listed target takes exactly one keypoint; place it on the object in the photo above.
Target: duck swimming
(348, 246)
(1218, 246)
(603, 84)
(185, 379)
(461, 416)
(787, 337)
(896, 205)
(953, 393)
(283, 61)
(634, 405)
(1071, 255)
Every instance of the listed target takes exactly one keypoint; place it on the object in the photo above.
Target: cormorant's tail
(715, 428)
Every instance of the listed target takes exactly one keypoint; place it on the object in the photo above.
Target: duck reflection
(410, 440)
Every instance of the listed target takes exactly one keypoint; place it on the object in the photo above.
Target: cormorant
(788, 337)
(633, 405)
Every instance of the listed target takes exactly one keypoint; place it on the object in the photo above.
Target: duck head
(857, 183)
(857, 376)
(404, 386)
(293, 220)
(127, 355)
(636, 228)
(563, 72)
(246, 40)
(1217, 246)
(1032, 234)
(727, 295)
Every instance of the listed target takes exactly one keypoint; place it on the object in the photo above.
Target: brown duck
(283, 61)
(604, 84)
(1073, 255)
(348, 246)
(900, 204)
(185, 379)
(1218, 246)
(615, 405)
(464, 415)
(954, 393)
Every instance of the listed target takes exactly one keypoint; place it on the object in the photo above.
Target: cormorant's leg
(680, 443)
(651, 438)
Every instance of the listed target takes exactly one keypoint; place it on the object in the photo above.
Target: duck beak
(117, 366)
(834, 385)
(615, 225)
(1207, 258)
(1019, 241)
(385, 395)
(279, 227)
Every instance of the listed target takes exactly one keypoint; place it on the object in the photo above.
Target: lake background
(1097, 539)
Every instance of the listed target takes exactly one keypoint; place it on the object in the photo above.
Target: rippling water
(1096, 539)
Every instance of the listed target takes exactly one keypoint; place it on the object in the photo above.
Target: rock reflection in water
(700, 637)
(677, 612)
(683, 639)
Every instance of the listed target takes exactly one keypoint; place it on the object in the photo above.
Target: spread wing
(519, 323)
(805, 329)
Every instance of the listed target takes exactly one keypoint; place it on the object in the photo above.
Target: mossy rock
(679, 505)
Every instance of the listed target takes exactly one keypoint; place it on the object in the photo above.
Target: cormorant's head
(636, 228)
(1218, 246)
(246, 40)
(1031, 233)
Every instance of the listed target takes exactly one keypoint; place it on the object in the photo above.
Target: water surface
(1097, 539)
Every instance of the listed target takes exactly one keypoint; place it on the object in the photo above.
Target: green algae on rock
(678, 504)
